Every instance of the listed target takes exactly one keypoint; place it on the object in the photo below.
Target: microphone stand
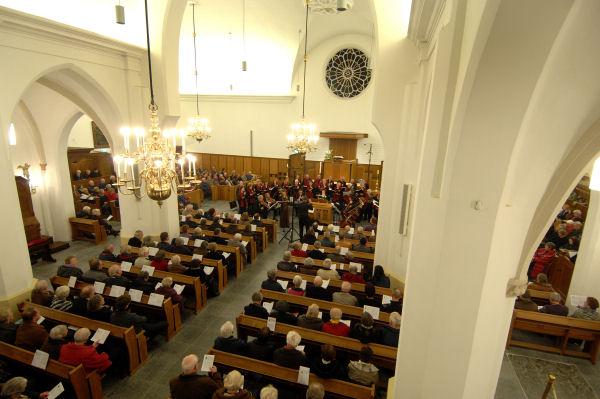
(292, 228)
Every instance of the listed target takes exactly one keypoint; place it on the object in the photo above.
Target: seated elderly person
(136, 240)
(30, 335)
(85, 211)
(297, 251)
(555, 307)
(271, 282)
(396, 303)
(55, 340)
(213, 253)
(268, 392)
(226, 342)
(96, 309)
(282, 314)
(289, 356)
(175, 265)
(188, 210)
(41, 294)
(255, 309)
(180, 247)
(143, 259)
(334, 325)
(60, 301)
(97, 215)
(362, 246)
(344, 296)
(8, 329)
(315, 391)
(311, 318)
(142, 283)
(524, 302)
(216, 237)
(261, 348)
(189, 384)
(353, 275)
(125, 255)
(286, 265)
(317, 252)
(327, 366)
(108, 254)
(337, 256)
(159, 262)
(296, 288)
(588, 311)
(540, 283)
(358, 234)
(148, 241)
(169, 292)
(185, 231)
(316, 290)
(189, 221)
(95, 273)
(309, 238)
(326, 273)
(123, 317)
(388, 335)
(115, 277)
(236, 241)
(69, 268)
(364, 330)
(363, 371)
(326, 241)
(77, 352)
(80, 302)
(232, 387)
(197, 234)
(16, 388)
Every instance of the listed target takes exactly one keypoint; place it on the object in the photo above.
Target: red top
(161, 265)
(112, 196)
(299, 252)
(293, 291)
(86, 355)
(353, 278)
(336, 329)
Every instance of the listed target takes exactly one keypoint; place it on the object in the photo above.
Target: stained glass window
(347, 73)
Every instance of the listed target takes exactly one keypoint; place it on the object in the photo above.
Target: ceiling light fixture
(244, 35)
(120, 13)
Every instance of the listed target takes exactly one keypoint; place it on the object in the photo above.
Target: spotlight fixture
(342, 5)
(120, 14)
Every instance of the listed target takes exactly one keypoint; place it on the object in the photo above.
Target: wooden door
(561, 273)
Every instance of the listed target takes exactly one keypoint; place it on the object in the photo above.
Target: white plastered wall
(81, 134)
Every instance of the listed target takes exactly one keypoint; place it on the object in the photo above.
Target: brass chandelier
(303, 137)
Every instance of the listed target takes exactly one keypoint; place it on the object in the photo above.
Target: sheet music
(116, 291)
(100, 336)
(72, 281)
(373, 233)
(41, 320)
(386, 299)
(337, 238)
(197, 242)
(372, 310)
(333, 266)
(577, 300)
(148, 269)
(303, 285)
(317, 236)
(178, 288)
(320, 228)
(304, 247)
(185, 240)
(136, 295)
(84, 196)
(271, 321)
(346, 322)
(182, 218)
(320, 315)
(207, 363)
(196, 256)
(358, 266)
(303, 375)
(268, 306)
(108, 218)
(226, 255)
(325, 284)
(343, 251)
(336, 229)
(208, 270)
(157, 286)
(40, 359)
(237, 216)
(300, 348)
(244, 243)
(156, 299)
(283, 283)
(152, 251)
(126, 266)
(99, 287)
(56, 391)
(351, 230)
(252, 227)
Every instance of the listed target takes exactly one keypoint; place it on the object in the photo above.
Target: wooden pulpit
(323, 212)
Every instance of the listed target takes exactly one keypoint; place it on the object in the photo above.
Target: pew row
(80, 228)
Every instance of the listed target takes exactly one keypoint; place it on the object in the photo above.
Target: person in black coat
(309, 238)
(96, 309)
(180, 248)
(226, 342)
(316, 253)
(108, 254)
(164, 242)
(369, 298)
(289, 356)
(396, 304)
(216, 238)
(389, 335)
(116, 277)
(8, 329)
(327, 366)
(316, 291)
(69, 268)
(80, 303)
(304, 220)
(136, 240)
(364, 330)
(260, 348)
(255, 309)
(271, 282)
(282, 313)
(142, 283)
(256, 221)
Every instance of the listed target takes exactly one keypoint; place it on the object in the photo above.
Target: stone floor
(198, 331)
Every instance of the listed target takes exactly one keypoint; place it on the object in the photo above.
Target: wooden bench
(115, 211)
(221, 192)
(85, 386)
(562, 328)
(136, 345)
(80, 226)
(383, 356)
(250, 247)
(171, 312)
(301, 303)
(271, 226)
(260, 232)
(365, 258)
(287, 376)
(234, 251)
(349, 242)
(317, 264)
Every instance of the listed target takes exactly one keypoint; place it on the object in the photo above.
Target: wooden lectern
(323, 212)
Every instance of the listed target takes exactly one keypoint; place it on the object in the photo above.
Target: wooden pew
(360, 257)
(318, 264)
(196, 287)
(223, 193)
(271, 226)
(560, 327)
(301, 303)
(260, 232)
(115, 211)
(85, 386)
(349, 242)
(80, 226)
(234, 251)
(287, 376)
(250, 247)
(171, 312)
(136, 345)
(383, 356)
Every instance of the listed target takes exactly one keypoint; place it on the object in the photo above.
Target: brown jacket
(194, 386)
(31, 336)
(220, 394)
(41, 298)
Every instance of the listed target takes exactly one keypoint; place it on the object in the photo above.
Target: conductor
(304, 220)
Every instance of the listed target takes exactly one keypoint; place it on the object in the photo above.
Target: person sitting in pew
(164, 242)
(123, 317)
(260, 348)
(282, 313)
(95, 173)
(327, 366)
(256, 221)
(77, 352)
(197, 235)
(214, 254)
(95, 273)
(588, 311)
(77, 175)
(316, 252)
(363, 371)
(185, 231)
(543, 257)
(108, 254)
(41, 294)
(369, 298)
(285, 264)
(524, 302)
(8, 329)
(159, 262)
(364, 330)
(288, 355)
(271, 282)
(175, 265)
(142, 283)
(69, 268)
(344, 296)
(233, 228)
(102, 183)
(297, 251)
(143, 259)
(189, 221)
(148, 241)
(125, 255)
(363, 247)
(315, 391)
(316, 290)
(388, 335)
(555, 307)
(115, 277)
(311, 318)
(236, 241)
(190, 385)
(326, 240)
(60, 301)
(188, 210)
(96, 309)
(358, 235)
(180, 247)
(396, 303)
(309, 238)
(326, 273)
(353, 276)
(379, 278)
(196, 269)
(226, 342)
(169, 292)
(296, 288)
(541, 283)
(97, 215)
(30, 335)
(268, 392)
(85, 213)
(80, 303)
(136, 240)
(16, 388)
(334, 325)
(55, 340)
(255, 309)
(216, 237)
(337, 257)
(232, 387)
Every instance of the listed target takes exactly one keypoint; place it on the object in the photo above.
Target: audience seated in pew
(41, 294)
(190, 385)
(256, 221)
(197, 234)
(288, 355)
(327, 366)
(364, 330)
(136, 240)
(226, 342)
(316, 290)
(540, 283)
(379, 278)
(362, 246)
(16, 388)
(362, 371)
(214, 254)
(159, 262)
(175, 265)
(369, 298)
(8, 329)
(555, 307)
(96, 309)
(60, 301)
(353, 276)
(143, 259)
(180, 248)
(148, 241)
(142, 283)
(122, 316)
(169, 292)
(281, 312)
(388, 335)
(337, 257)
(542, 259)
(69, 268)
(524, 302)
(125, 255)
(326, 241)
(255, 309)
(185, 231)
(189, 221)
(311, 319)
(589, 310)
(97, 215)
(344, 296)
(232, 387)
(30, 335)
(236, 241)
(315, 391)
(108, 254)
(297, 251)
(316, 252)
(334, 325)
(308, 238)
(216, 237)
(271, 282)
(164, 242)
(115, 277)
(77, 352)
(55, 340)
(196, 269)
(326, 273)
(296, 288)
(286, 265)
(396, 303)
(260, 348)
(95, 273)
(85, 212)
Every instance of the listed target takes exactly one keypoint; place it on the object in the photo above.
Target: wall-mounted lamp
(12, 135)
(34, 182)
(120, 14)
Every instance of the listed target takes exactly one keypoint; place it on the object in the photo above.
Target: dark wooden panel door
(561, 273)
(344, 147)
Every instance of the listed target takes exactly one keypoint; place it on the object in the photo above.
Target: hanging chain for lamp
(304, 137)
(198, 127)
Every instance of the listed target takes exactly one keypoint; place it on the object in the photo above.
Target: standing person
(304, 220)
(284, 210)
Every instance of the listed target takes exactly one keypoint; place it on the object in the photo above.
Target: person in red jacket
(296, 251)
(169, 292)
(335, 325)
(76, 353)
(353, 276)
(159, 262)
(542, 259)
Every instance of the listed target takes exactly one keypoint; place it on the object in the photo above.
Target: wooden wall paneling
(247, 164)
(205, 161)
(82, 159)
(273, 166)
(343, 147)
(223, 162)
(255, 165)
(265, 170)
(231, 163)
(283, 166)
(239, 164)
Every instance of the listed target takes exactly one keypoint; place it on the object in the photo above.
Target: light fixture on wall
(156, 156)
(595, 179)
(304, 136)
(12, 135)
(198, 127)
(120, 14)
(244, 65)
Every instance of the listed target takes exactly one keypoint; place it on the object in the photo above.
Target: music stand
(292, 228)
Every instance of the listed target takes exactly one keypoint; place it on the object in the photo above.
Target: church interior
(300, 199)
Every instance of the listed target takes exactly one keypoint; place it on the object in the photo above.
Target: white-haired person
(115, 277)
(233, 384)
(175, 265)
(136, 240)
(55, 340)
(317, 291)
(8, 329)
(60, 300)
(388, 335)
(41, 293)
(190, 385)
(311, 319)
(77, 352)
(168, 291)
(315, 391)
(334, 325)
(236, 241)
(268, 392)
(286, 264)
(296, 288)
(326, 273)
(226, 342)
(143, 258)
(344, 296)
(16, 388)
(326, 241)
(288, 355)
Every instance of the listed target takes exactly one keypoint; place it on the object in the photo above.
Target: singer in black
(304, 220)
